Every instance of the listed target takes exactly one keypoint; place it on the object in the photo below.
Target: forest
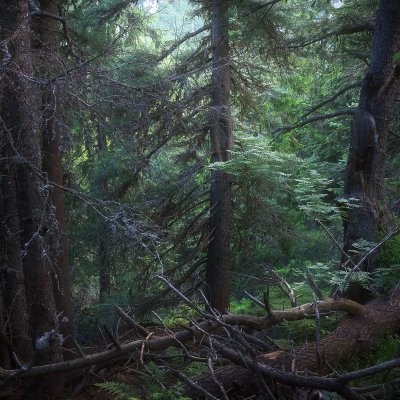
(200, 199)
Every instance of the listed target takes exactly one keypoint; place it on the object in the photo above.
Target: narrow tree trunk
(368, 142)
(48, 34)
(105, 265)
(219, 263)
(104, 240)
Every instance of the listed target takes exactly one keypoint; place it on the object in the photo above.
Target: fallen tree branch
(291, 379)
(193, 332)
(355, 335)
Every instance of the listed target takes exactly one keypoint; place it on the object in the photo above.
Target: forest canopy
(199, 199)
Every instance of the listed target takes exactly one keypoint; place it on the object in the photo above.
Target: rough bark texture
(20, 121)
(49, 37)
(368, 143)
(355, 335)
(218, 264)
(12, 267)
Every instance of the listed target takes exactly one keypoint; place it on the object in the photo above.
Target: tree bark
(12, 267)
(48, 34)
(219, 262)
(364, 180)
(355, 336)
(104, 240)
(20, 117)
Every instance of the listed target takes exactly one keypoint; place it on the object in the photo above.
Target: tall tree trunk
(21, 123)
(48, 34)
(12, 267)
(104, 240)
(13, 288)
(219, 262)
(368, 142)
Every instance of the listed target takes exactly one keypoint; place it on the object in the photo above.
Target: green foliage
(175, 392)
(389, 253)
(387, 349)
(180, 314)
(388, 260)
(120, 390)
(243, 306)
(153, 389)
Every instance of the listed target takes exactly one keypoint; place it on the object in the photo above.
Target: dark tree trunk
(20, 122)
(12, 267)
(104, 246)
(48, 34)
(105, 265)
(368, 142)
(219, 263)
(5, 345)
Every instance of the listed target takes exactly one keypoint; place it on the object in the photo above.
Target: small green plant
(119, 390)
(175, 392)
(156, 391)
(243, 306)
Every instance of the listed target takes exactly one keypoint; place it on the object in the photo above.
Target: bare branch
(131, 322)
(182, 40)
(344, 89)
(392, 233)
(254, 300)
(193, 385)
(176, 339)
(314, 286)
(215, 380)
(365, 26)
(314, 118)
(290, 379)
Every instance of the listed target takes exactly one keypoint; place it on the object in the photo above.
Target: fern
(119, 390)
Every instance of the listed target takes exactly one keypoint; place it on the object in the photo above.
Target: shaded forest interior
(200, 199)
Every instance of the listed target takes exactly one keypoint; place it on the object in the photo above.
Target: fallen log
(356, 334)
(177, 339)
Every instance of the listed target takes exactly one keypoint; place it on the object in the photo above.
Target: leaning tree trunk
(368, 142)
(20, 122)
(49, 36)
(219, 263)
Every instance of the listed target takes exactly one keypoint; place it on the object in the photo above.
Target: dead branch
(182, 40)
(355, 335)
(291, 379)
(314, 118)
(364, 26)
(131, 322)
(254, 299)
(328, 100)
(283, 285)
(196, 331)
